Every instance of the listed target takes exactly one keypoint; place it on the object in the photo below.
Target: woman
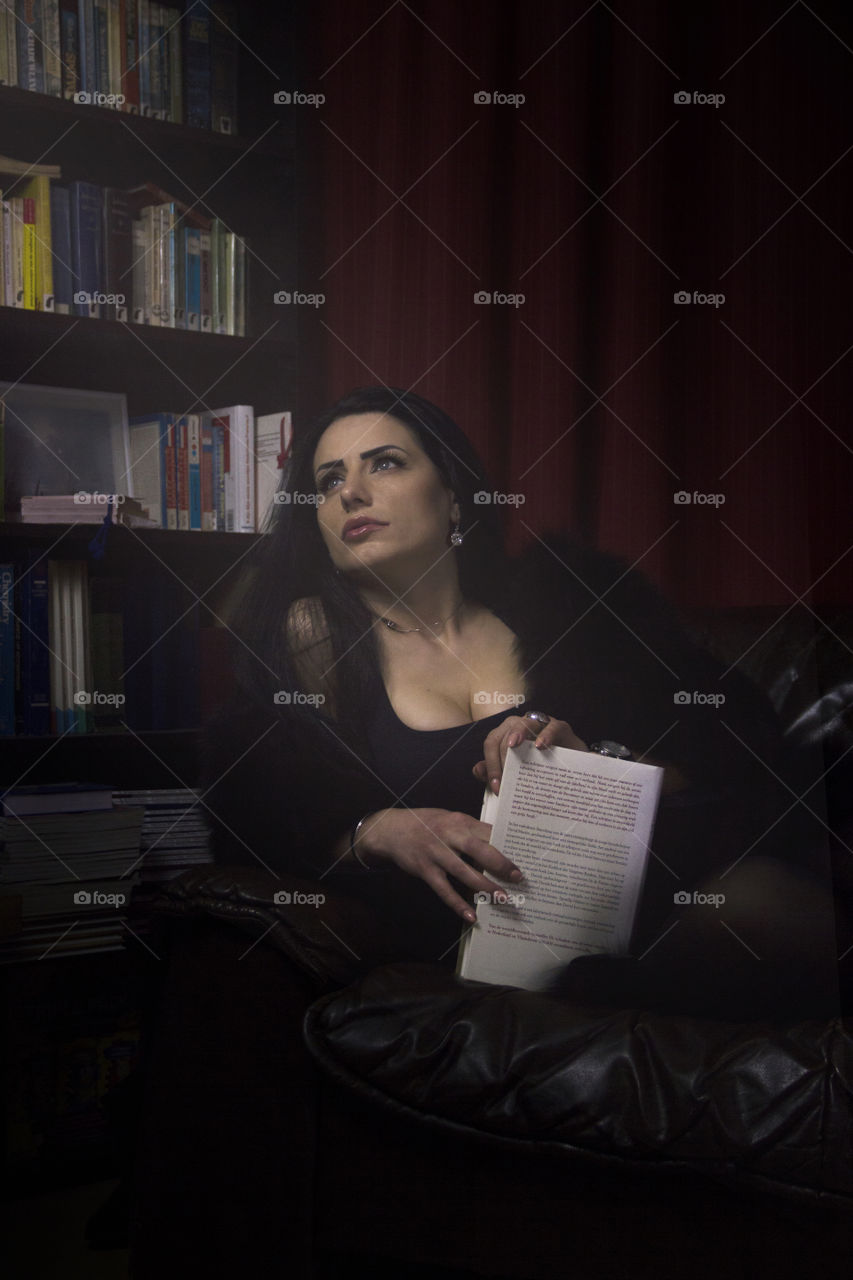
(391, 657)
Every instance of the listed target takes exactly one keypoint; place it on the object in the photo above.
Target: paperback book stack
(174, 838)
(69, 861)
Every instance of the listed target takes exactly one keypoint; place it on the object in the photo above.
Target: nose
(354, 489)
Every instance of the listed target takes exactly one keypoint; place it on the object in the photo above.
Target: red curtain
(599, 398)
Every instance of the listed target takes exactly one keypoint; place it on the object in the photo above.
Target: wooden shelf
(43, 113)
(156, 368)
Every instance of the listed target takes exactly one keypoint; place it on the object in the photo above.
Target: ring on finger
(538, 716)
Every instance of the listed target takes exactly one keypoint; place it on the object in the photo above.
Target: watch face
(616, 749)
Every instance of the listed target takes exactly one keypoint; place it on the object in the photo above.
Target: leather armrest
(332, 936)
(765, 1104)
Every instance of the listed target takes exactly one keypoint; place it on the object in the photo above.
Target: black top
(429, 768)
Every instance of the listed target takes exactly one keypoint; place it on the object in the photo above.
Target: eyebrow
(368, 453)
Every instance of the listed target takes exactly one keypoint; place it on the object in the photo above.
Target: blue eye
(327, 481)
(388, 457)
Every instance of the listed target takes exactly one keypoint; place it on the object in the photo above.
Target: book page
(577, 824)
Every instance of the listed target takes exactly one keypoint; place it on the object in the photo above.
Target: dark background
(599, 198)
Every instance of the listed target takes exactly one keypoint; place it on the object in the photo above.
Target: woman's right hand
(433, 844)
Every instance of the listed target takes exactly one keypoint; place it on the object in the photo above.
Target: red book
(171, 479)
(182, 471)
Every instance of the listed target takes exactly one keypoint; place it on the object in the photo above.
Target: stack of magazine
(69, 860)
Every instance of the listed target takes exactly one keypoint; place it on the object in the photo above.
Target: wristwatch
(617, 750)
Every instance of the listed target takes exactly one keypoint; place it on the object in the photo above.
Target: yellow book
(29, 253)
(38, 189)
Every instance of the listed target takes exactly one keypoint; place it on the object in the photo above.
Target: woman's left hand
(516, 729)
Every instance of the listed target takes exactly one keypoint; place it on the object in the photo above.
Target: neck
(433, 604)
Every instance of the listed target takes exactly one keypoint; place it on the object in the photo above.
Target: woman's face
(384, 503)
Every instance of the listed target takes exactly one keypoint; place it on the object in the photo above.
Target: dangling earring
(456, 537)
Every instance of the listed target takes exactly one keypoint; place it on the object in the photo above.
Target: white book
(139, 314)
(273, 436)
(578, 825)
(239, 420)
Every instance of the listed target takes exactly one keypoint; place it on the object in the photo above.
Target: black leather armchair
(316, 1107)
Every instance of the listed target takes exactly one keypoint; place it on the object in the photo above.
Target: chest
(433, 687)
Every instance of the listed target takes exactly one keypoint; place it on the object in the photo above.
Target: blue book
(60, 234)
(197, 64)
(192, 278)
(87, 248)
(34, 690)
(28, 23)
(7, 650)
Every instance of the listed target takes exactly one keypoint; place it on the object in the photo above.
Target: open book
(577, 824)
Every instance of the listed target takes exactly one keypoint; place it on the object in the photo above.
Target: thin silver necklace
(405, 631)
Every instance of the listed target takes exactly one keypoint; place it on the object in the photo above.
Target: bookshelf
(249, 182)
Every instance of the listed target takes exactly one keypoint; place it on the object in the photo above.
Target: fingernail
(496, 785)
(514, 740)
(515, 875)
(470, 917)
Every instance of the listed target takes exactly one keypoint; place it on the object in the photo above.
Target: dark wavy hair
(292, 561)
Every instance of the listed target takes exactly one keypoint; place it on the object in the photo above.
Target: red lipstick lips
(359, 525)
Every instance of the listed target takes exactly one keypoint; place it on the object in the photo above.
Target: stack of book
(104, 253)
(209, 471)
(66, 873)
(81, 508)
(175, 837)
(131, 55)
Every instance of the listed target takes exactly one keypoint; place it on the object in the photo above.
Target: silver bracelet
(352, 840)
